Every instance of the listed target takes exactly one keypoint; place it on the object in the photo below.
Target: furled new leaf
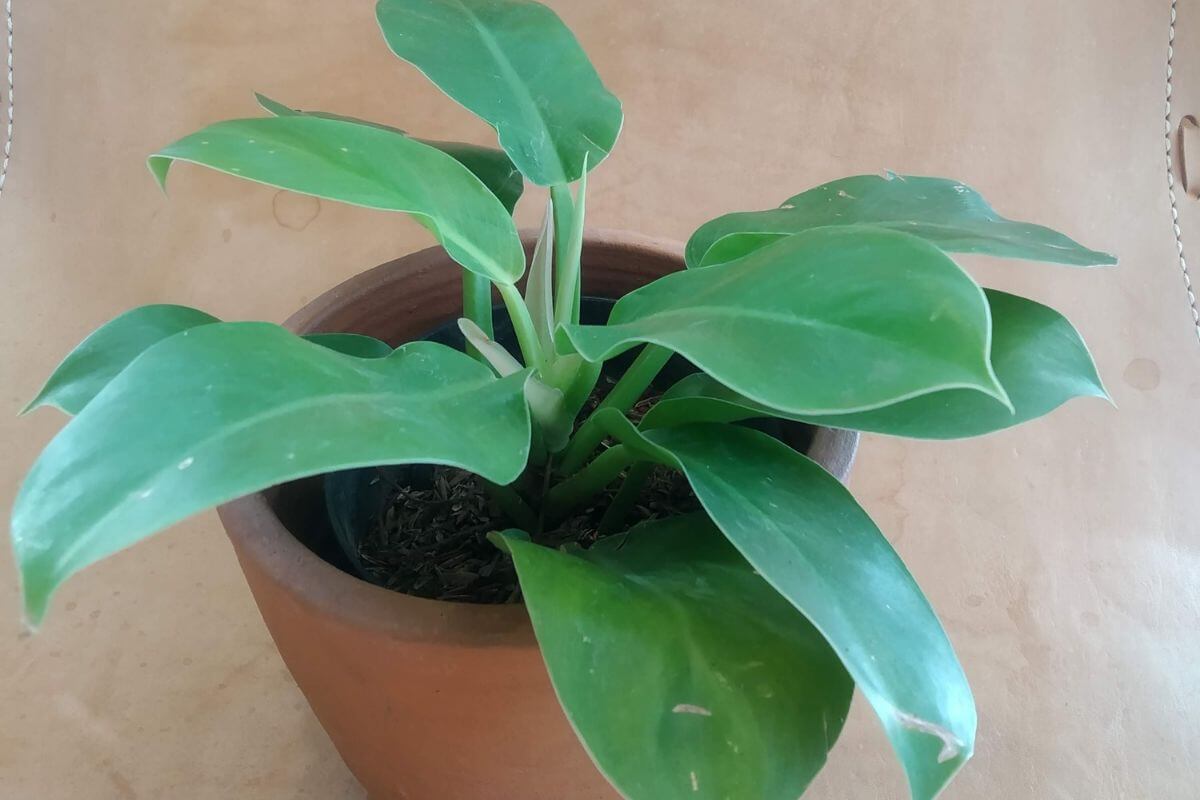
(517, 66)
(947, 213)
(226, 409)
(828, 321)
(539, 285)
(805, 534)
(1039, 358)
(684, 673)
(367, 166)
(491, 166)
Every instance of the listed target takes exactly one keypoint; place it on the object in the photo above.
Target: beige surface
(1063, 556)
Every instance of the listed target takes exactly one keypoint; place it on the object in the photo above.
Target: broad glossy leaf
(684, 673)
(109, 349)
(947, 213)
(114, 345)
(1039, 358)
(516, 65)
(231, 408)
(352, 344)
(805, 534)
(491, 166)
(367, 166)
(828, 321)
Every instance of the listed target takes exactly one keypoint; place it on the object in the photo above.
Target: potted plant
(663, 483)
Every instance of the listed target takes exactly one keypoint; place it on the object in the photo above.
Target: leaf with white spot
(1039, 358)
(231, 408)
(368, 166)
(491, 166)
(802, 530)
(829, 321)
(114, 345)
(698, 680)
(109, 349)
(947, 213)
(517, 66)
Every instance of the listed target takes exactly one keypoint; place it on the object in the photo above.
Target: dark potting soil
(431, 541)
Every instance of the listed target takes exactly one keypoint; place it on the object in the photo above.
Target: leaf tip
(992, 387)
(36, 402)
(1103, 393)
(472, 332)
(35, 599)
(503, 539)
(273, 107)
(159, 165)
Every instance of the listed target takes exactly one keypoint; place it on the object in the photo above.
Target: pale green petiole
(588, 482)
(477, 304)
(629, 388)
(527, 336)
(568, 287)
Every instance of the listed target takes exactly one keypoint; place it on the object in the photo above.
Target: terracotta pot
(428, 700)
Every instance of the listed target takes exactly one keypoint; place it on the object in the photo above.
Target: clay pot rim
(258, 532)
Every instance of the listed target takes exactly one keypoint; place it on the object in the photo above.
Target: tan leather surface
(1063, 556)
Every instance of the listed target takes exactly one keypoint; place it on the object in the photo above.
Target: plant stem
(629, 388)
(537, 447)
(567, 286)
(563, 208)
(511, 505)
(588, 482)
(477, 305)
(580, 387)
(527, 336)
(618, 510)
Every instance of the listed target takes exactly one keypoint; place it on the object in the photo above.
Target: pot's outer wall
(428, 700)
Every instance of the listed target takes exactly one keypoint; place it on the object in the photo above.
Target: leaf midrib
(771, 316)
(516, 83)
(452, 233)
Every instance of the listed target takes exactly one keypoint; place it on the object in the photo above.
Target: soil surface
(431, 541)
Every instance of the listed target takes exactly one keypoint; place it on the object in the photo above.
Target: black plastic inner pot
(330, 514)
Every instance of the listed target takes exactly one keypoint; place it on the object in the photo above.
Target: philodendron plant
(711, 655)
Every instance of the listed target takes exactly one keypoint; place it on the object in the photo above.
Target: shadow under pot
(429, 699)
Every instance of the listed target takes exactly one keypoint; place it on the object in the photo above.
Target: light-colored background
(1063, 556)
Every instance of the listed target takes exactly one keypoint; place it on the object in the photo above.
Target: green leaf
(108, 350)
(828, 321)
(1039, 358)
(352, 344)
(114, 345)
(539, 284)
(490, 351)
(491, 166)
(226, 409)
(947, 213)
(805, 534)
(684, 673)
(366, 166)
(568, 286)
(514, 64)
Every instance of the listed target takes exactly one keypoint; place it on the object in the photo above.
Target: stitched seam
(1167, 131)
(8, 19)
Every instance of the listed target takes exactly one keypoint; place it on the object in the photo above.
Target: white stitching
(1168, 130)
(8, 136)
